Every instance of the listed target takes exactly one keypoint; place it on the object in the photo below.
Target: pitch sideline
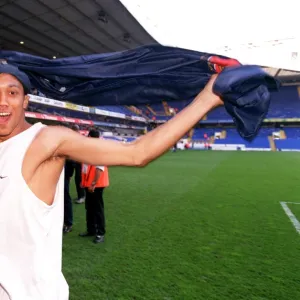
(291, 216)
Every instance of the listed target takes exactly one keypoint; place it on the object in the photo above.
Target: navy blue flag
(151, 74)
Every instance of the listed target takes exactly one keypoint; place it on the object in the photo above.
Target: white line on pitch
(291, 216)
(292, 202)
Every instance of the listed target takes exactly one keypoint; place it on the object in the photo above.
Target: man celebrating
(32, 159)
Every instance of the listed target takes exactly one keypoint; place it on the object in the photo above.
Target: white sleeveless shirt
(30, 230)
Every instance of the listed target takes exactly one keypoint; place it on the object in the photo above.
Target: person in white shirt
(32, 160)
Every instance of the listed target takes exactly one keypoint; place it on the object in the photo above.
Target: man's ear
(26, 101)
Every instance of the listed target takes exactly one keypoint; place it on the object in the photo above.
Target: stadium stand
(118, 123)
(280, 131)
(292, 133)
(157, 109)
(259, 142)
(163, 118)
(284, 104)
(200, 132)
(288, 144)
(128, 122)
(118, 109)
(218, 113)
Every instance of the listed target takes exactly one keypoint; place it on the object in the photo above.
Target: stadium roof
(61, 28)
(287, 77)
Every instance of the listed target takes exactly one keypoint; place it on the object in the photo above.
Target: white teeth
(4, 114)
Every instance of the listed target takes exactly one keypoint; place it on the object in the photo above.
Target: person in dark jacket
(70, 168)
(77, 168)
(68, 207)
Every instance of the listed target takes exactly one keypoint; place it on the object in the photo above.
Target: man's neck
(19, 129)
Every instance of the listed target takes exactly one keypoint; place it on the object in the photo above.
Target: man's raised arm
(144, 150)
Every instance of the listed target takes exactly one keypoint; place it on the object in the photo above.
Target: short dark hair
(94, 133)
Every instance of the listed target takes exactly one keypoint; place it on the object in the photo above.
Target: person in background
(78, 167)
(94, 179)
(70, 166)
(174, 149)
(68, 207)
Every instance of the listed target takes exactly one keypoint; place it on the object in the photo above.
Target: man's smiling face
(13, 103)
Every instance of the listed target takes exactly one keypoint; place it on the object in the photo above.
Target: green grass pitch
(193, 225)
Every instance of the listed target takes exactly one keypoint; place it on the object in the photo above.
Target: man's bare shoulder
(40, 158)
(49, 139)
(41, 167)
(55, 139)
(55, 132)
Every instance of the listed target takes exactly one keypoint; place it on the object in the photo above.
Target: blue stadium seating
(179, 104)
(264, 132)
(199, 132)
(230, 132)
(284, 104)
(218, 113)
(288, 144)
(232, 137)
(145, 111)
(158, 108)
(259, 142)
(293, 133)
(162, 118)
